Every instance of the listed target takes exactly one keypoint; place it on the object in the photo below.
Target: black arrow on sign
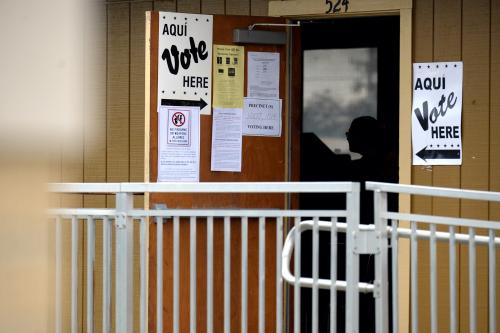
(179, 102)
(438, 154)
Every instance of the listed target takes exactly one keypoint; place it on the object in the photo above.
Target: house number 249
(335, 6)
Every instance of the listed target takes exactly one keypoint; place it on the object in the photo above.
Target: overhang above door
(335, 7)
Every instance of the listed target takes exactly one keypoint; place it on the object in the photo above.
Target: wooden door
(263, 159)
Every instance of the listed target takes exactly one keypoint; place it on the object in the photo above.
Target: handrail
(211, 187)
(434, 191)
(308, 282)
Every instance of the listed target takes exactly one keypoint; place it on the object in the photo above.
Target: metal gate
(361, 239)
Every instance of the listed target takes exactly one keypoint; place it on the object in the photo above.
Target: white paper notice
(226, 140)
(263, 75)
(179, 144)
(262, 117)
(437, 113)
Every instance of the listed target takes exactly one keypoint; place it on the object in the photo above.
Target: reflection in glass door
(339, 85)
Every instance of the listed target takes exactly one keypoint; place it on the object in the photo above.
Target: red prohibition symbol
(178, 119)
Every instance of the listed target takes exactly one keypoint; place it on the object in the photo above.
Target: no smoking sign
(178, 128)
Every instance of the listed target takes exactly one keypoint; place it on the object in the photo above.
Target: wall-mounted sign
(226, 140)
(437, 113)
(262, 117)
(185, 60)
(178, 144)
(228, 74)
(263, 75)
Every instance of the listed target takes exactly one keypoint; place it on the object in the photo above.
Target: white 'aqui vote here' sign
(185, 60)
(437, 113)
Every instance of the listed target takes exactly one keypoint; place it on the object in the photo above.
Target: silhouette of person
(366, 137)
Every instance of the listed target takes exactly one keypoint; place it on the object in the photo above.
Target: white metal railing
(389, 220)
(380, 239)
(123, 218)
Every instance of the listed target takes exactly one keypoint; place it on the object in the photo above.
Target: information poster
(185, 60)
(263, 75)
(226, 140)
(437, 113)
(178, 144)
(262, 117)
(228, 75)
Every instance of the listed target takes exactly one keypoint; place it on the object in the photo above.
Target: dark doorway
(349, 132)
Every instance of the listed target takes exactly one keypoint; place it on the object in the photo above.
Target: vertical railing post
(352, 261)
(124, 263)
(381, 292)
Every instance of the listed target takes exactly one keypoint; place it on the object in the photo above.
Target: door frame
(316, 9)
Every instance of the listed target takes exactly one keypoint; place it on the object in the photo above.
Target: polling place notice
(263, 75)
(178, 144)
(228, 74)
(226, 140)
(262, 117)
(437, 113)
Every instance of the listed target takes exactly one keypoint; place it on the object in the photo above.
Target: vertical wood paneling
(495, 126)
(189, 6)
(422, 175)
(237, 7)
(447, 47)
(259, 7)
(137, 64)
(165, 6)
(213, 7)
(118, 93)
(475, 130)
(423, 52)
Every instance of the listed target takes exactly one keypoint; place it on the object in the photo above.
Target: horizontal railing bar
(434, 191)
(84, 213)
(453, 221)
(445, 236)
(104, 188)
(240, 187)
(304, 282)
(227, 187)
(235, 213)
(81, 213)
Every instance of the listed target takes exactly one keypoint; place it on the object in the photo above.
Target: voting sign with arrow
(437, 113)
(185, 60)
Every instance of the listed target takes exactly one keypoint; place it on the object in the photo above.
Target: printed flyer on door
(178, 144)
(228, 74)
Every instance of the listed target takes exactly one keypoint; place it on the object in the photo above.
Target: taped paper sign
(262, 117)
(228, 75)
(178, 144)
(226, 140)
(437, 113)
(185, 60)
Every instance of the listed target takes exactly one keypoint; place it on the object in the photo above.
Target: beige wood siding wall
(468, 31)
